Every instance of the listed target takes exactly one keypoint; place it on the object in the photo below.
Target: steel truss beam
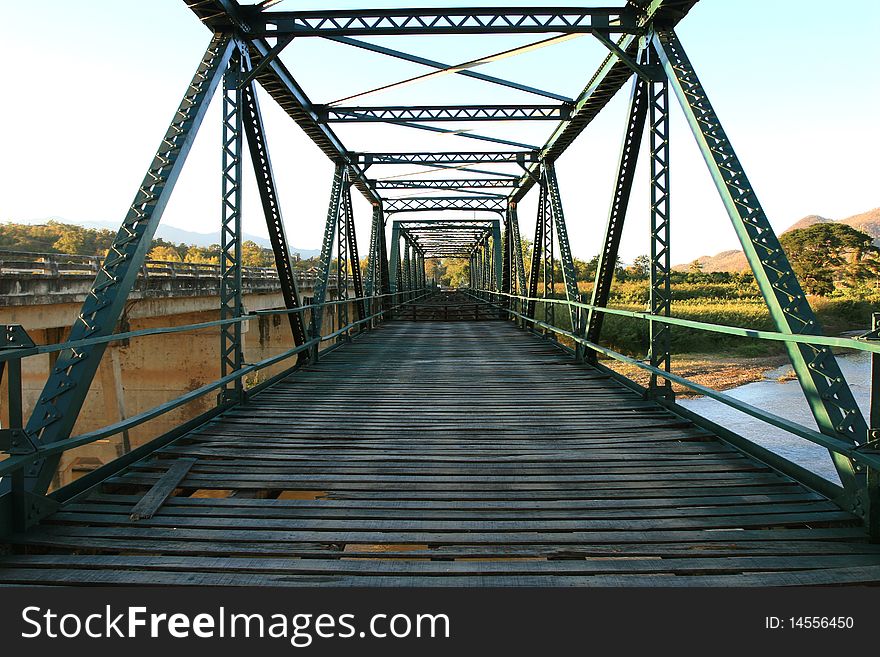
(373, 280)
(320, 294)
(507, 255)
(231, 306)
(626, 168)
(346, 257)
(517, 251)
(259, 151)
(551, 220)
(59, 404)
(554, 201)
(542, 257)
(354, 257)
(396, 114)
(435, 159)
(449, 183)
(824, 386)
(440, 203)
(362, 22)
(661, 266)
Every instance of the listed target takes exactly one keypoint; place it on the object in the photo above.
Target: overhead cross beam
(518, 20)
(402, 113)
(440, 203)
(445, 183)
(440, 158)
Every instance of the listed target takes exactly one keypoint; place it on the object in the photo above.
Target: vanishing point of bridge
(468, 437)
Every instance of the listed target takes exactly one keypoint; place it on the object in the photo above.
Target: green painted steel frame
(824, 386)
(626, 168)
(660, 265)
(231, 352)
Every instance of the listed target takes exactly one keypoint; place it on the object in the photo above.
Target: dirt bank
(718, 372)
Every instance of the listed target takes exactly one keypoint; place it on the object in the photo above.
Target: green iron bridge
(445, 438)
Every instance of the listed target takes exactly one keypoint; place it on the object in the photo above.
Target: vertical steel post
(394, 261)
(231, 306)
(342, 254)
(519, 277)
(407, 269)
(569, 277)
(383, 276)
(496, 256)
(872, 476)
(661, 290)
(875, 381)
(320, 294)
(507, 255)
(357, 283)
(371, 283)
(537, 257)
(547, 261)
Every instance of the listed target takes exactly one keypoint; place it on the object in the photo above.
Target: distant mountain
(867, 222)
(178, 235)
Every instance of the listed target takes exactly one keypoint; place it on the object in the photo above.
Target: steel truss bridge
(465, 438)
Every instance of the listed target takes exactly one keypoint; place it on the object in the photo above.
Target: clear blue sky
(90, 87)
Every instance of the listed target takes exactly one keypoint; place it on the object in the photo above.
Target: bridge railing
(866, 456)
(22, 452)
(22, 263)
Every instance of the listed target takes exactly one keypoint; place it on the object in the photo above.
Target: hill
(735, 260)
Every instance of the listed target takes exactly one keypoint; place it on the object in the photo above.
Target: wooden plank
(158, 546)
(274, 565)
(69, 577)
(161, 490)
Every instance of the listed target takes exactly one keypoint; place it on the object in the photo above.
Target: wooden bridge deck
(450, 454)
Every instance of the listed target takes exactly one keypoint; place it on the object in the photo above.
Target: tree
(203, 255)
(457, 272)
(640, 268)
(164, 254)
(253, 255)
(824, 254)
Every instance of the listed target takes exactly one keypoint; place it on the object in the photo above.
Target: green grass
(630, 335)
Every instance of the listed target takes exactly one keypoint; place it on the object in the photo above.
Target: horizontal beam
(491, 157)
(440, 203)
(444, 226)
(454, 183)
(480, 20)
(401, 113)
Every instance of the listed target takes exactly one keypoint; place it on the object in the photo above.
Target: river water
(787, 400)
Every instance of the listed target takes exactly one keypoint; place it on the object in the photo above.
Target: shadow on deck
(449, 454)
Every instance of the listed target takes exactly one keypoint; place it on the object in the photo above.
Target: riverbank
(718, 372)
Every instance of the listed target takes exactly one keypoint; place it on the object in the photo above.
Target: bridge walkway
(449, 454)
